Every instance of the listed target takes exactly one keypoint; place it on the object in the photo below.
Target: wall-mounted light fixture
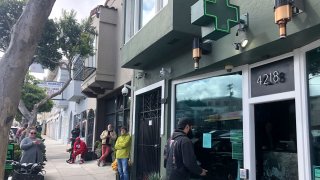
(200, 47)
(241, 40)
(196, 52)
(228, 67)
(165, 73)
(140, 75)
(282, 15)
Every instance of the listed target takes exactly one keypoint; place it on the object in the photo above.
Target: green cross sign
(215, 17)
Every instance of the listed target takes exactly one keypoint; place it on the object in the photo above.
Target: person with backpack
(180, 158)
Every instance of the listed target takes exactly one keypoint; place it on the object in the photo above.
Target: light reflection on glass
(148, 10)
(313, 75)
(215, 104)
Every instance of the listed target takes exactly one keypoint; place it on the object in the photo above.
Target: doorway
(148, 136)
(275, 140)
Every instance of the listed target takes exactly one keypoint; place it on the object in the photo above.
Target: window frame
(134, 23)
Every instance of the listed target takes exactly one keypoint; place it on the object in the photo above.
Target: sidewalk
(57, 168)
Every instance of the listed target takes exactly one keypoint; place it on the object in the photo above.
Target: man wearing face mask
(181, 160)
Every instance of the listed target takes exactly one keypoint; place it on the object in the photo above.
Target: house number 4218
(271, 78)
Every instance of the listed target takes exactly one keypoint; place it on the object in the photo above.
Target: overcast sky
(82, 7)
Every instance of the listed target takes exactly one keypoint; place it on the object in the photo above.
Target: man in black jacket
(74, 134)
(181, 160)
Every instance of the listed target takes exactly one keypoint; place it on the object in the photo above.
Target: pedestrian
(79, 147)
(39, 128)
(19, 132)
(181, 160)
(123, 146)
(32, 148)
(108, 138)
(74, 134)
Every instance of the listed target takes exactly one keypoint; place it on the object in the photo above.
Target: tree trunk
(15, 63)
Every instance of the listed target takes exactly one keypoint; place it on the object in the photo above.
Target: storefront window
(215, 104)
(313, 75)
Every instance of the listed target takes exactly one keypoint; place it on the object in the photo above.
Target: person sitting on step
(79, 147)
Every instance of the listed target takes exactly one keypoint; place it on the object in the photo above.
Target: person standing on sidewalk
(108, 138)
(181, 160)
(74, 134)
(122, 147)
(20, 131)
(32, 148)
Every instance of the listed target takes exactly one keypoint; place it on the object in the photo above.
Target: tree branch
(60, 62)
(24, 111)
(66, 84)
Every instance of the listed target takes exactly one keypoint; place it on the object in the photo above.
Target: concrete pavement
(57, 168)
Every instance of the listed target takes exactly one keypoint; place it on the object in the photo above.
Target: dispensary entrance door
(275, 140)
(148, 136)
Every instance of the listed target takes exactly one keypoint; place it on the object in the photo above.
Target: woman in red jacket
(79, 147)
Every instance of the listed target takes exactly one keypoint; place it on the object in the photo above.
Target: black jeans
(72, 143)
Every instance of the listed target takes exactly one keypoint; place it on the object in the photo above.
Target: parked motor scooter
(27, 171)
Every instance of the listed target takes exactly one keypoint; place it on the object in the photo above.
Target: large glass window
(215, 104)
(138, 13)
(313, 75)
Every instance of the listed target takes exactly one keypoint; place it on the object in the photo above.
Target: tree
(66, 37)
(15, 62)
(73, 39)
(32, 94)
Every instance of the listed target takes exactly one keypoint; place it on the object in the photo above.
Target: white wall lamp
(241, 40)
(140, 75)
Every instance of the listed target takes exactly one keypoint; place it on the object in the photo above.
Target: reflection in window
(215, 104)
(138, 13)
(313, 75)
(148, 10)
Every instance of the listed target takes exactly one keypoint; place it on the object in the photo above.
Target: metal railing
(83, 67)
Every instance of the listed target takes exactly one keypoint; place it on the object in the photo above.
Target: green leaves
(75, 38)
(10, 11)
(64, 37)
(47, 53)
(32, 94)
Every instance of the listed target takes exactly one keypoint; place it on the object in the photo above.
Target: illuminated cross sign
(215, 17)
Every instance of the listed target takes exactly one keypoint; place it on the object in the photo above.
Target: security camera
(162, 73)
(228, 68)
(124, 91)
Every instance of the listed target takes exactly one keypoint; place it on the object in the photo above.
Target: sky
(82, 7)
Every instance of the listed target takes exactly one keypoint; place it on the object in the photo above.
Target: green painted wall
(264, 43)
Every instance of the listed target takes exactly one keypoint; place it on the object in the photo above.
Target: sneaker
(71, 161)
(81, 161)
(98, 162)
